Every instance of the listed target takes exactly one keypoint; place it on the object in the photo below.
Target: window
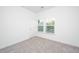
(47, 27)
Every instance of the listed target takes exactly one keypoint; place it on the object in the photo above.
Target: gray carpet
(40, 45)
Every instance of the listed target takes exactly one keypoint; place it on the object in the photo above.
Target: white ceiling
(37, 9)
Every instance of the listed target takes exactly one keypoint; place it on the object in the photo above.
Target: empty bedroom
(39, 29)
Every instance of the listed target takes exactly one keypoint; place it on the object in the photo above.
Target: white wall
(16, 24)
(66, 26)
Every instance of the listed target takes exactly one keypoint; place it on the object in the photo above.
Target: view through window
(48, 27)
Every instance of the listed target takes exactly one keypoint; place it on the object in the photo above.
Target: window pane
(50, 29)
(40, 28)
(40, 23)
(51, 23)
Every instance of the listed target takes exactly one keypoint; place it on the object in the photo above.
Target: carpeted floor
(40, 45)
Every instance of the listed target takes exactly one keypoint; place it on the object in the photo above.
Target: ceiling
(37, 9)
